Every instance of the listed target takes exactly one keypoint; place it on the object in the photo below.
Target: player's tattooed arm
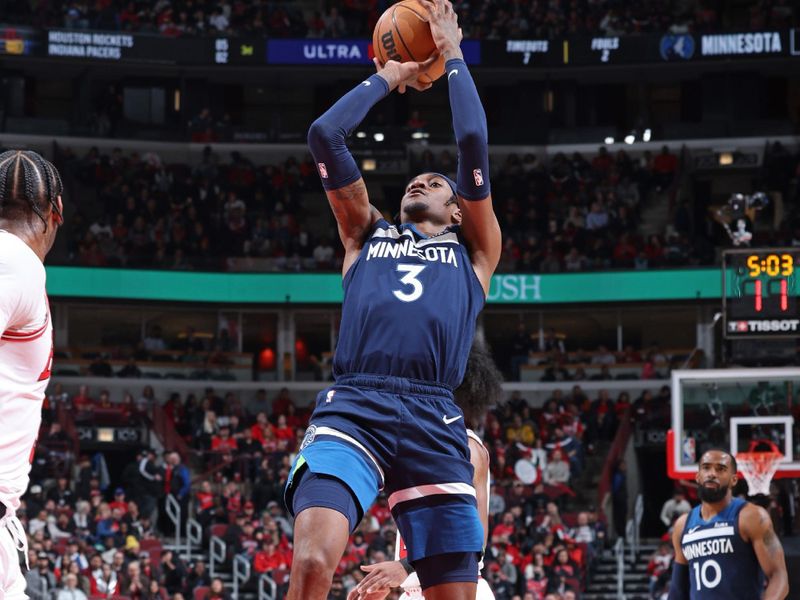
(355, 216)
(756, 526)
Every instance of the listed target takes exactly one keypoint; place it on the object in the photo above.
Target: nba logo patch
(311, 433)
(323, 170)
(478, 176)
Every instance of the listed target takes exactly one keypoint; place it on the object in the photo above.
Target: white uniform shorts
(484, 592)
(12, 581)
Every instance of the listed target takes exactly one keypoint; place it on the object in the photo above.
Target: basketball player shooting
(412, 293)
(480, 389)
(30, 214)
(726, 546)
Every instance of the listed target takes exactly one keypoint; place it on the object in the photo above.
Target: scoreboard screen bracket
(760, 291)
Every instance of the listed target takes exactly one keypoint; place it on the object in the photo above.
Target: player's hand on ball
(404, 75)
(446, 33)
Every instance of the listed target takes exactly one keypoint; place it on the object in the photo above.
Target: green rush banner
(301, 288)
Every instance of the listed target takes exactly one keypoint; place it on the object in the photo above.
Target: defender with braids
(30, 214)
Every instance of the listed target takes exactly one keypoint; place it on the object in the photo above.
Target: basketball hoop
(758, 468)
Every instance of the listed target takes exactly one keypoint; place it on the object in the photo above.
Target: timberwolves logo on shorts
(311, 433)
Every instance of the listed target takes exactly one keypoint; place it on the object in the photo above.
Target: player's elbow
(320, 134)
(473, 138)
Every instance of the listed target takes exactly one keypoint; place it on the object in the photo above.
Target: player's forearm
(469, 126)
(777, 588)
(326, 136)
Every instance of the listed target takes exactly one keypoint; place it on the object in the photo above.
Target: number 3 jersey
(410, 306)
(26, 346)
(722, 566)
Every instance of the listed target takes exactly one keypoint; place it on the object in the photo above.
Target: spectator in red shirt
(223, 442)
(204, 497)
(380, 510)
(259, 427)
(602, 162)
(283, 431)
(503, 531)
(119, 501)
(280, 406)
(269, 557)
(665, 166)
(81, 401)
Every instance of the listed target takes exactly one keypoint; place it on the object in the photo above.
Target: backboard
(728, 408)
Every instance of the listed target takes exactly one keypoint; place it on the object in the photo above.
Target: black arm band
(679, 586)
(407, 566)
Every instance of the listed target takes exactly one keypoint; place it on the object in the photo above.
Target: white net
(758, 469)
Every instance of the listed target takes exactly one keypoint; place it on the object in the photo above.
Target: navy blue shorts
(407, 438)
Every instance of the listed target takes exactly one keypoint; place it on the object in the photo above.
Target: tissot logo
(765, 325)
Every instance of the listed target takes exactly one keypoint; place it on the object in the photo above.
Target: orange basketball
(403, 34)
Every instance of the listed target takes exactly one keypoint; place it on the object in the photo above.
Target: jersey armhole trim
(25, 336)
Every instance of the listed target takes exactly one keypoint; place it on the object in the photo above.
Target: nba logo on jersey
(478, 175)
(323, 170)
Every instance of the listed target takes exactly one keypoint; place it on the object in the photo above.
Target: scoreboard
(760, 293)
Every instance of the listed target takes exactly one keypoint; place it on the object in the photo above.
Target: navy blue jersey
(410, 305)
(722, 566)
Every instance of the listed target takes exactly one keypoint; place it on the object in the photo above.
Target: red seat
(200, 592)
(219, 529)
(280, 576)
(151, 544)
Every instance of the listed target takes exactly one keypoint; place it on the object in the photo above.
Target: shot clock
(760, 293)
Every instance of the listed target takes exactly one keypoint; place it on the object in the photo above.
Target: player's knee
(455, 567)
(312, 564)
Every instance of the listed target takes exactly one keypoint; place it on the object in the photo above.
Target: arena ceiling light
(361, 134)
(378, 136)
(609, 140)
(647, 135)
(630, 138)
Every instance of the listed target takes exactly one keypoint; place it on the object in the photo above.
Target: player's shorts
(408, 438)
(12, 581)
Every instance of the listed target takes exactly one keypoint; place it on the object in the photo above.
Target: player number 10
(701, 574)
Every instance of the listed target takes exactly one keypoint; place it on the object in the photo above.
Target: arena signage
(77, 44)
(327, 52)
(728, 44)
(639, 49)
(123, 47)
(326, 288)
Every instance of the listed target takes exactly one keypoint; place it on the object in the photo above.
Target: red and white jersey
(26, 354)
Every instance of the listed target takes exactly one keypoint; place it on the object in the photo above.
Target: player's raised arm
(340, 176)
(679, 586)
(756, 527)
(479, 224)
